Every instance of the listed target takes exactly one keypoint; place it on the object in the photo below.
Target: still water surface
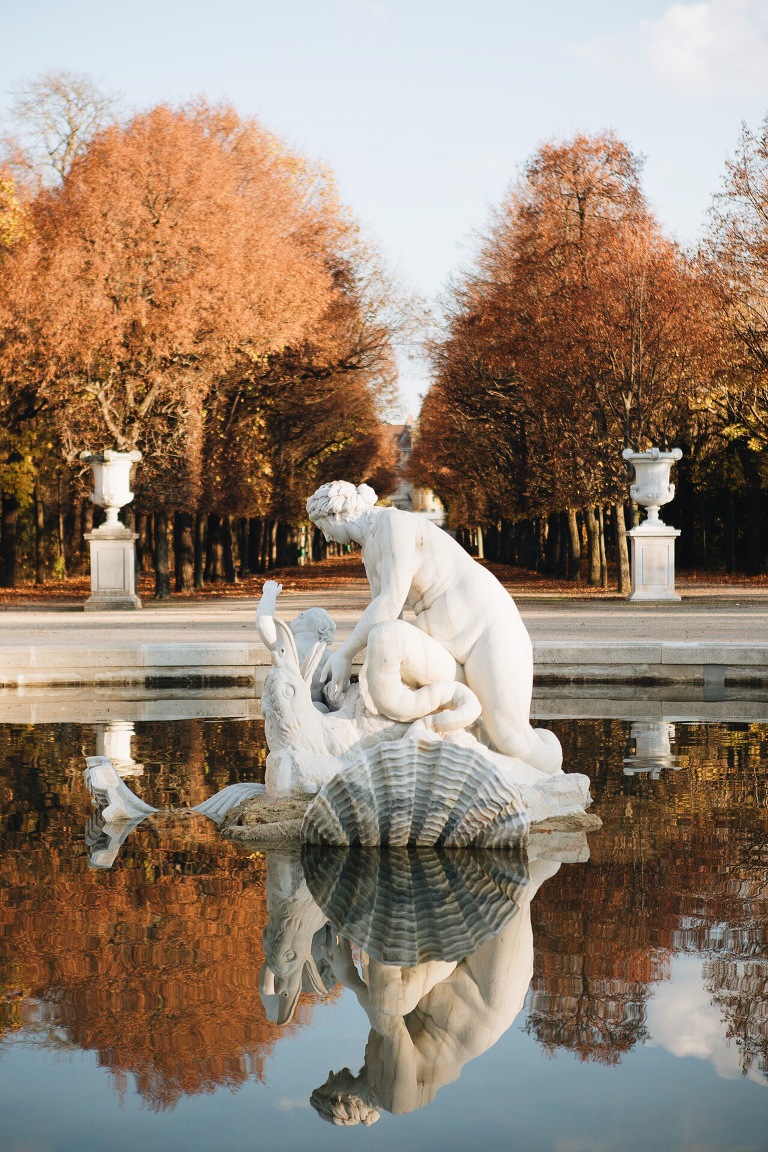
(136, 1010)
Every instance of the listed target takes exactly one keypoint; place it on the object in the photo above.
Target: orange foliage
(183, 251)
(581, 329)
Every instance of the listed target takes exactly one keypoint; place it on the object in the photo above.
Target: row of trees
(183, 284)
(582, 329)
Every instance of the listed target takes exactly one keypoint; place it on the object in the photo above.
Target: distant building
(405, 495)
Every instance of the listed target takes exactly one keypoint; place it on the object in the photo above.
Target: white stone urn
(112, 545)
(111, 482)
(652, 488)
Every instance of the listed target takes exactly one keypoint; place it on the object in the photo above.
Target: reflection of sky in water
(683, 1019)
(167, 945)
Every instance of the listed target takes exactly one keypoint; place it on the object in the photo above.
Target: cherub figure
(312, 630)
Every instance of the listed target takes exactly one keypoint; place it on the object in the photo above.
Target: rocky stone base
(264, 823)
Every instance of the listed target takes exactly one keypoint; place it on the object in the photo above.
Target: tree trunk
(593, 548)
(603, 557)
(86, 527)
(214, 565)
(162, 571)
(228, 550)
(184, 551)
(141, 542)
(9, 543)
(318, 545)
(552, 545)
(273, 544)
(254, 544)
(622, 549)
(730, 532)
(62, 528)
(199, 550)
(39, 534)
(574, 545)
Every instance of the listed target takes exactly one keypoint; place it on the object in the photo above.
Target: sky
(426, 110)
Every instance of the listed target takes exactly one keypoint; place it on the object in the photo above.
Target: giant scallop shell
(418, 791)
(407, 905)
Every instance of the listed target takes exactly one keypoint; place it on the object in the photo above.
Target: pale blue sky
(426, 109)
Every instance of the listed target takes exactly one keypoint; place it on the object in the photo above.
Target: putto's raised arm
(265, 613)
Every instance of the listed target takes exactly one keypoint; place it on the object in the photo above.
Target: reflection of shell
(406, 905)
(422, 791)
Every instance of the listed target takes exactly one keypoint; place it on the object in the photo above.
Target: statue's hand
(271, 590)
(336, 673)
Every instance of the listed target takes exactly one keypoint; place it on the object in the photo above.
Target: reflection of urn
(113, 740)
(652, 749)
(652, 487)
(111, 481)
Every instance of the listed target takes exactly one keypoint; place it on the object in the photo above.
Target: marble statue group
(442, 697)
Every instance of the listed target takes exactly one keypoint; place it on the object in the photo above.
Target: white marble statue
(459, 673)
(460, 608)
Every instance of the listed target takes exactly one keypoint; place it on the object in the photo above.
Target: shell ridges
(420, 791)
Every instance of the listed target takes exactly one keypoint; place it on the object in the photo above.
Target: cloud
(291, 1103)
(683, 1019)
(699, 50)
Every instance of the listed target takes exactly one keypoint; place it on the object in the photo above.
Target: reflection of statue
(119, 810)
(446, 952)
(292, 939)
(428, 1021)
(458, 603)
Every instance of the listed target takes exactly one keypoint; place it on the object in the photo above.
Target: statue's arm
(394, 559)
(395, 564)
(265, 613)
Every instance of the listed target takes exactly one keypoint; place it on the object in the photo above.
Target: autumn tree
(184, 254)
(579, 331)
(737, 250)
(56, 115)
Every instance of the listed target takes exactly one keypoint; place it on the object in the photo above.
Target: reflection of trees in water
(152, 965)
(679, 866)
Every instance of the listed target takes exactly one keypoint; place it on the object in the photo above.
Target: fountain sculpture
(433, 743)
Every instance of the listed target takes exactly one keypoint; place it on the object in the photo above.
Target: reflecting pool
(595, 994)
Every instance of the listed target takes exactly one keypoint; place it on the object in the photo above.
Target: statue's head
(345, 1100)
(340, 502)
(314, 622)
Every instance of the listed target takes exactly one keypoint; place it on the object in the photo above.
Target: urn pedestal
(653, 542)
(112, 545)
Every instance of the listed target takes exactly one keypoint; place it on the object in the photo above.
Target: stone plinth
(653, 561)
(113, 569)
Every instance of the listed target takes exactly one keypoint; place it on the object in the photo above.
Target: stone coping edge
(203, 666)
